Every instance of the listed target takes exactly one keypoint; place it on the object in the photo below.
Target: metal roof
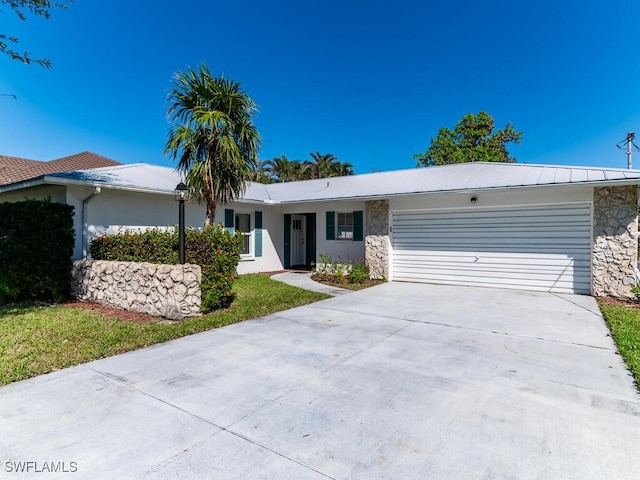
(141, 177)
(449, 178)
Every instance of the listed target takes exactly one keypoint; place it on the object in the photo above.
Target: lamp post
(181, 193)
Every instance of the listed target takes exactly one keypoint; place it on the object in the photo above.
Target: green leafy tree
(472, 140)
(39, 8)
(212, 136)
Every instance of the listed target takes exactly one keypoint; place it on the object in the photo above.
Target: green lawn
(37, 340)
(624, 324)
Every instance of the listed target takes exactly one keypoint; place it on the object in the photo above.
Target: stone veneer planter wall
(615, 247)
(170, 291)
(376, 246)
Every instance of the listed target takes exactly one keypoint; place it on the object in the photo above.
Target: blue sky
(369, 81)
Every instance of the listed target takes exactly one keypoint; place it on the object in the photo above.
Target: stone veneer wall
(376, 245)
(170, 291)
(615, 247)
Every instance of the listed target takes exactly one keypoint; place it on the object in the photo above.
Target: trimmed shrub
(216, 251)
(153, 246)
(36, 244)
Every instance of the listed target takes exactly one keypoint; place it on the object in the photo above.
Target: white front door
(298, 229)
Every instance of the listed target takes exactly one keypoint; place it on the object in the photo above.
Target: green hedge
(216, 251)
(36, 244)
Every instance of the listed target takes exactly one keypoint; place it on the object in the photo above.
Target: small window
(243, 225)
(345, 226)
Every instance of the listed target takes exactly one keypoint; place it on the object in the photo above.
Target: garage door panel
(552, 214)
(540, 248)
(503, 271)
(565, 240)
(558, 287)
(465, 232)
(533, 261)
(550, 266)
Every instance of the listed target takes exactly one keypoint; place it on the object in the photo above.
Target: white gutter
(85, 227)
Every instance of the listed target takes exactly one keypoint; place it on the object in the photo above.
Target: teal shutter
(229, 220)
(258, 233)
(331, 225)
(357, 226)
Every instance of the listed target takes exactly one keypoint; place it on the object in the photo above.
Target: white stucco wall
(486, 199)
(272, 233)
(338, 249)
(113, 209)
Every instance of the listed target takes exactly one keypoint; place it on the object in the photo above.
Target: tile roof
(14, 169)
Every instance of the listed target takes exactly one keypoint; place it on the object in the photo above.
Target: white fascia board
(128, 188)
(34, 182)
(79, 183)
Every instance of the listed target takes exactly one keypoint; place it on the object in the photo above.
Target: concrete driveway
(400, 381)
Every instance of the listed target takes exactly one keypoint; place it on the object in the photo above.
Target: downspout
(85, 228)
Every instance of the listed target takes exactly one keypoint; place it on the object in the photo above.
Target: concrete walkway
(303, 280)
(398, 381)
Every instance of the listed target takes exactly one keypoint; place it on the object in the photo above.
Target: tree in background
(322, 165)
(281, 169)
(39, 8)
(212, 136)
(472, 140)
(327, 165)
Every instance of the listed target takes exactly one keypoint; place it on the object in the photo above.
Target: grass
(38, 340)
(624, 323)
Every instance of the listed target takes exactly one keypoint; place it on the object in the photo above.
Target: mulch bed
(618, 302)
(126, 315)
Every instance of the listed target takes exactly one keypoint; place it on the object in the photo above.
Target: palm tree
(327, 165)
(261, 174)
(322, 166)
(281, 169)
(299, 171)
(212, 136)
(344, 168)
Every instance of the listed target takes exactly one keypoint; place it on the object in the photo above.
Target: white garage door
(535, 248)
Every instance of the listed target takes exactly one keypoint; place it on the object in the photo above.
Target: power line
(630, 146)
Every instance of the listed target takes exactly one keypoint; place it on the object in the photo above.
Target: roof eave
(32, 182)
(594, 183)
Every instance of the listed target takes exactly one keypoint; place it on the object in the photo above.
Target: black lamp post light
(181, 194)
